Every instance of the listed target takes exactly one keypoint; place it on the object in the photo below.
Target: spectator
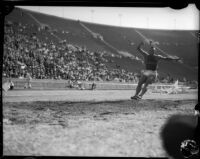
(93, 86)
(28, 80)
(11, 84)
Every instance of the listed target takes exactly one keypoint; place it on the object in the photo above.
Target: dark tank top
(151, 62)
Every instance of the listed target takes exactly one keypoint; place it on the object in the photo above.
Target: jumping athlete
(150, 73)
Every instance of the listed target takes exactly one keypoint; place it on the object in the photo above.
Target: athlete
(150, 73)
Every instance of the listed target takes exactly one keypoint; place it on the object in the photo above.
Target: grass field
(88, 123)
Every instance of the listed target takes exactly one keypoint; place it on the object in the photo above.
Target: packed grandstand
(64, 49)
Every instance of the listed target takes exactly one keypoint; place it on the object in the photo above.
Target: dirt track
(87, 95)
(92, 127)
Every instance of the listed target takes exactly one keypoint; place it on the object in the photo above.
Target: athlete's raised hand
(179, 60)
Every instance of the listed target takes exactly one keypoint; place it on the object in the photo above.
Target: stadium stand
(49, 47)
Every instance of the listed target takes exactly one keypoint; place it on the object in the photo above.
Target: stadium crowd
(44, 59)
(32, 49)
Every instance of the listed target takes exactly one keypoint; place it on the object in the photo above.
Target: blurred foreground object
(189, 148)
(176, 130)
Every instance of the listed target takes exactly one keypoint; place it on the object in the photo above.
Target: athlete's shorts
(150, 74)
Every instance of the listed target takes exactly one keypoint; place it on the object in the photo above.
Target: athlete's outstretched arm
(168, 58)
(144, 53)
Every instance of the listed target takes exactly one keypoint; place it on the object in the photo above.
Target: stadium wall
(48, 84)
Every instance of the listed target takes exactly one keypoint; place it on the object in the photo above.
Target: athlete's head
(152, 48)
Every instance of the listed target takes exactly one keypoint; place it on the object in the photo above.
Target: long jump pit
(88, 122)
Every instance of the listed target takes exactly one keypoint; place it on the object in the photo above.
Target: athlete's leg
(140, 83)
(144, 89)
(149, 80)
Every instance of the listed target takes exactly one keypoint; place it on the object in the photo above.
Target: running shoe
(136, 97)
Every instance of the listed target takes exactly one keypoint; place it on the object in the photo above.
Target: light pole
(147, 22)
(174, 24)
(120, 17)
(92, 12)
(63, 12)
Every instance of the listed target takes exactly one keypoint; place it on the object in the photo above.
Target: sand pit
(88, 128)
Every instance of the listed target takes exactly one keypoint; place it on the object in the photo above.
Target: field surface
(88, 123)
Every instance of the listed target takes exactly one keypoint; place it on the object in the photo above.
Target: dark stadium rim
(105, 3)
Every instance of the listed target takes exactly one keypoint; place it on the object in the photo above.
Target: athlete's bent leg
(139, 86)
(144, 89)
